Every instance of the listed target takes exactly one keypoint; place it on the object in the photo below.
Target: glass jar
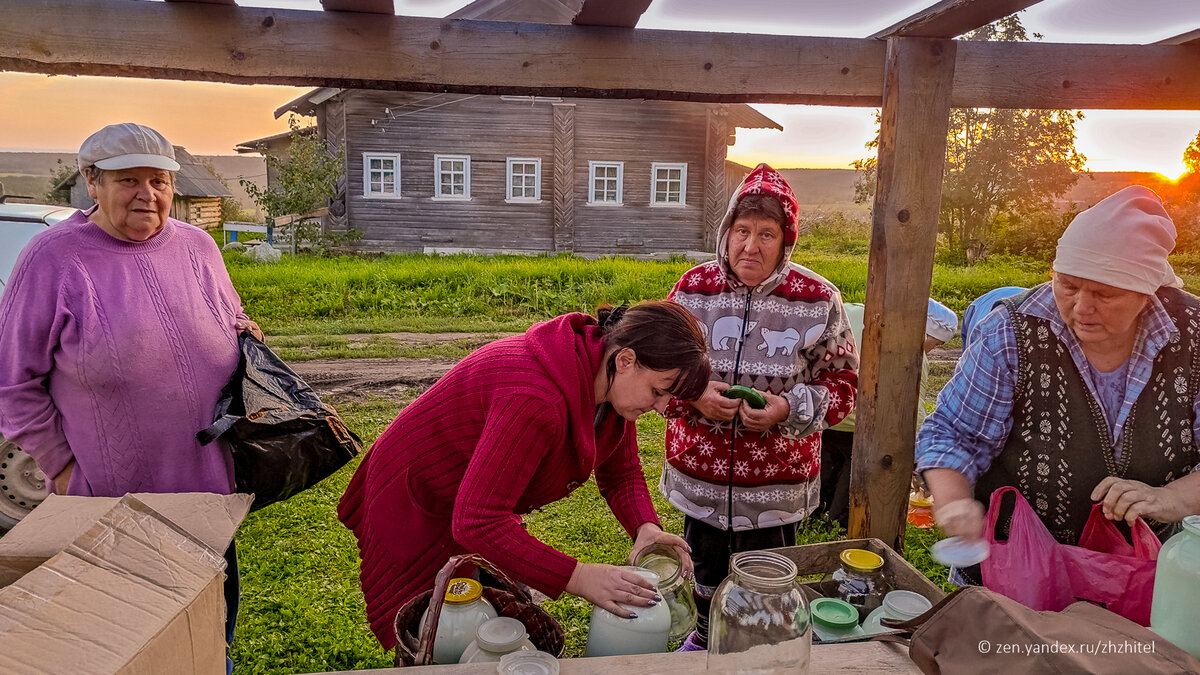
(899, 605)
(858, 580)
(834, 619)
(1175, 609)
(920, 509)
(496, 637)
(759, 619)
(463, 609)
(676, 591)
(646, 633)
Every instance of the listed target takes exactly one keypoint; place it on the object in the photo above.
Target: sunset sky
(57, 113)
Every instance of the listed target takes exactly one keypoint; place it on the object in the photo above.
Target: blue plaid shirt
(974, 411)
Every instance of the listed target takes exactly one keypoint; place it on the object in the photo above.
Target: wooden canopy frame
(913, 70)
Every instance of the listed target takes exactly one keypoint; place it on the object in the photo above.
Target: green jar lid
(834, 613)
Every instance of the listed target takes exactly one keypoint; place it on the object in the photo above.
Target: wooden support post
(715, 151)
(564, 177)
(912, 148)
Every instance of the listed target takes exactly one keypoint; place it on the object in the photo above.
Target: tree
(1002, 166)
(60, 173)
(1191, 155)
(305, 180)
(1183, 202)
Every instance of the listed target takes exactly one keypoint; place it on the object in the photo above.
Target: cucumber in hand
(751, 396)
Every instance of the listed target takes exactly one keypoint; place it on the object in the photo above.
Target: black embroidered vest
(1059, 448)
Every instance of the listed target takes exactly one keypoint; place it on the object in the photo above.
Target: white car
(22, 484)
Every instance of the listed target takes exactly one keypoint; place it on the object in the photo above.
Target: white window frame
(592, 166)
(537, 180)
(437, 177)
(655, 167)
(367, 192)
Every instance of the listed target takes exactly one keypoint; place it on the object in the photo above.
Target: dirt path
(392, 377)
(356, 377)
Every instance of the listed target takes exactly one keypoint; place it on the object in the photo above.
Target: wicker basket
(511, 601)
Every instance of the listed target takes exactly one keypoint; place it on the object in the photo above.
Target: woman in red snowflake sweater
(776, 327)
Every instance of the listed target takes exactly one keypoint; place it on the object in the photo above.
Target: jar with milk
(463, 609)
(1175, 609)
(646, 633)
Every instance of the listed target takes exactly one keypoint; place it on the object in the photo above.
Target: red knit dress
(509, 429)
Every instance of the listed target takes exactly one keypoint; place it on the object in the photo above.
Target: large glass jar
(759, 619)
(646, 633)
(676, 591)
(858, 580)
(463, 609)
(1175, 609)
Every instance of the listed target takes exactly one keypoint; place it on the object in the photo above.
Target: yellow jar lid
(861, 559)
(461, 591)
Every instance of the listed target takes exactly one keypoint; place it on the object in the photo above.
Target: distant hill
(28, 173)
(825, 189)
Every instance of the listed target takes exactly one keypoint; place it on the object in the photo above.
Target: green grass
(464, 293)
(302, 608)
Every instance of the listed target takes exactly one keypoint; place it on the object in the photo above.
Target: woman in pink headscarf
(1083, 389)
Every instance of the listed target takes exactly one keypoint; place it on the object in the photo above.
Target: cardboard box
(130, 585)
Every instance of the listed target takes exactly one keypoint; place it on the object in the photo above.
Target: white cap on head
(941, 323)
(1122, 241)
(126, 146)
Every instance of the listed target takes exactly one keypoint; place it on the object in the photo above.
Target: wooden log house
(493, 173)
(914, 70)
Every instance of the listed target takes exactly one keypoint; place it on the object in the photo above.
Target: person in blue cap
(982, 306)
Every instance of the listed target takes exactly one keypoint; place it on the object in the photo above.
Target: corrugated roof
(195, 180)
(262, 144)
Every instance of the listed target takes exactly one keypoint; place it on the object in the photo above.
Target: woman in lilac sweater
(118, 329)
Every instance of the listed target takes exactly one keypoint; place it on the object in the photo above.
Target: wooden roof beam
(614, 13)
(346, 49)
(364, 6)
(951, 18)
(1191, 37)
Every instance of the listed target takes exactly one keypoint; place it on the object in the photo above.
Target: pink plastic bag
(1034, 569)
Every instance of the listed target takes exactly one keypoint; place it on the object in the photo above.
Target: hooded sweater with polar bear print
(789, 336)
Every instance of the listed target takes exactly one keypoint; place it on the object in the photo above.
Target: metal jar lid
(861, 560)
(461, 591)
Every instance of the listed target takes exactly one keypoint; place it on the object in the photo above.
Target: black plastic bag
(284, 439)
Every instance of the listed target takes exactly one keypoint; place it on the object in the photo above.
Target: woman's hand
(1128, 500)
(248, 326)
(649, 534)
(960, 518)
(713, 405)
(606, 585)
(776, 411)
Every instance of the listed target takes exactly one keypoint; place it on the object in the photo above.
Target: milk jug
(463, 609)
(611, 635)
(1175, 610)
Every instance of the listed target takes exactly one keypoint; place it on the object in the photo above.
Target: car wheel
(22, 484)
